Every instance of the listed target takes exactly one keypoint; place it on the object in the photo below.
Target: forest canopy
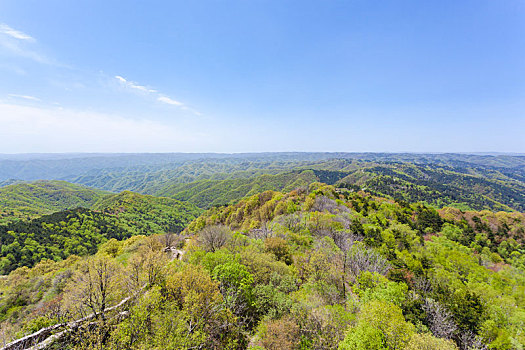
(317, 267)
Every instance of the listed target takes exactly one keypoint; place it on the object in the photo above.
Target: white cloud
(159, 96)
(51, 129)
(5, 29)
(169, 101)
(133, 85)
(22, 45)
(119, 78)
(25, 97)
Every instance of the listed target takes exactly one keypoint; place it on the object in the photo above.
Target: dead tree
(440, 320)
(213, 238)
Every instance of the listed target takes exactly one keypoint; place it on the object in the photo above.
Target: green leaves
(234, 277)
(81, 231)
(373, 286)
(380, 325)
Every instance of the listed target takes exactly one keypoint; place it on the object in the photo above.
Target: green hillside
(45, 197)
(151, 179)
(207, 193)
(440, 186)
(436, 185)
(80, 231)
(148, 214)
(464, 181)
(467, 182)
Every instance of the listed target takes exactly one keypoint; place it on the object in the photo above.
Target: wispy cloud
(169, 101)
(25, 97)
(158, 96)
(7, 30)
(21, 44)
(134, 85)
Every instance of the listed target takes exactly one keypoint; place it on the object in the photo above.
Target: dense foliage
(438, 183)
(315, 268)
(441, 186)
(433, 185)
(208, 193)
(148, 214)
(45, 197)
(80, 231)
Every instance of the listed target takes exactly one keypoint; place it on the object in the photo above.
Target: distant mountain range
(466, 181)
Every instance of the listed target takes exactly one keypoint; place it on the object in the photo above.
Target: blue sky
(253, 75)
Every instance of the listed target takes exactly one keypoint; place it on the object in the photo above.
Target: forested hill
(220, 182)
(466, 182)
(208, 193)
(465, 188)
(447, 272)
(469, 182)
(81, 231)
(404, 182)
(149, 213)
(45, 197)
(319, 267)
(30, 167)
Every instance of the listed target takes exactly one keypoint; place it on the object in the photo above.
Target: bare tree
(7, 333)
(323, 203)
(95, 287)
(213, 238)
(266, 231)
(168, 239)
(172, 240)
(147, 267)
(439, 319)
(469, 341)
(291, 221)
(365, 259)
(344, 240)
(423, 285)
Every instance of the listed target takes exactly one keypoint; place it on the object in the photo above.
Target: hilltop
(46, 197)
(81, 231)
(167, 214)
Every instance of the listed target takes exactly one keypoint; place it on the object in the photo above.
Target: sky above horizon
(255, 76)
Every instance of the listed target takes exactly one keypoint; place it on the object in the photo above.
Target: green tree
(380, 325)
(426, 341)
